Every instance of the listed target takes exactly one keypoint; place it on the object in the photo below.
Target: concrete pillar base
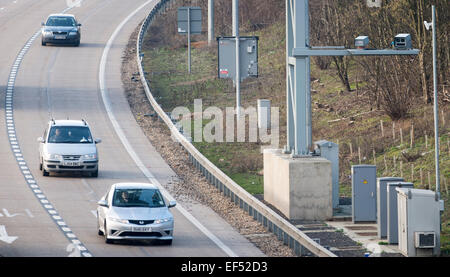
(301, 188)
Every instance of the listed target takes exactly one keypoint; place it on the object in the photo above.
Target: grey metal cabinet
(364, 193)
(330, 151)
(392, 210)
(382, 204)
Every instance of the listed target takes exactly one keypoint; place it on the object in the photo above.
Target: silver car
(133, 211)
(61, 29)
(68, 146)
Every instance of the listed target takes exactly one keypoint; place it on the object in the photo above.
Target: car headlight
(123, 221)
(159, 221)
(73, 33)
(54, 157)
(90, 156)
(47, 33)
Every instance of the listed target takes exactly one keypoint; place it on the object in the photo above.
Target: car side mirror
(41, 140)
(103, 203)
(79, 24)
(172, 204)
(42, 24)
(97, 141)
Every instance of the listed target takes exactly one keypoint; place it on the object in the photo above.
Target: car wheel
(40, 166)
(45, 172)
(107, 241)
(77, 43)
(43, 43)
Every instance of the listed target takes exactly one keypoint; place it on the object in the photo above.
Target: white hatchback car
(67, 145)
(134, 211)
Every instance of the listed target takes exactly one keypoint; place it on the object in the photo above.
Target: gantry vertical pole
(289, 78)
(210, 22)
(298, 79)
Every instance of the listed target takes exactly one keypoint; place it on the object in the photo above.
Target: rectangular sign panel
(248, 57)
(195, 15)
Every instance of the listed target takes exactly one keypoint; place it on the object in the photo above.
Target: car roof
(77, 123)
(61, 14)
(134, 186)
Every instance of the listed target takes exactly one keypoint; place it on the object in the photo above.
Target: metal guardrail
(284, 230)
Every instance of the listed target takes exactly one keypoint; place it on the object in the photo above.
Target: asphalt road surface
(55, 216)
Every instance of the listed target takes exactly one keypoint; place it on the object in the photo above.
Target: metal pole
(238, 65)
(235, 11)
(436, 108)
(289, 80)
(210, 22)
(189, 39)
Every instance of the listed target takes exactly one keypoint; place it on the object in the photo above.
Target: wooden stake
(382, 128)
(443, 118)
(374, 157)
(393, 131)
(429, 180)
(351, 149)
(412, 173)
(412, 136)
(395, 163)
(385, 165)
(359, 154)
(445, 184)
(421, 177)
(401, 168)
(426, 141)
(401, 136)
(448, 146)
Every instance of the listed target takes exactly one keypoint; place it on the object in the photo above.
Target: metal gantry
(298, 92)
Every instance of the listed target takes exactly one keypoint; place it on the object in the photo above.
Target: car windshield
(64, 21)
(140, 198)
(69, 134)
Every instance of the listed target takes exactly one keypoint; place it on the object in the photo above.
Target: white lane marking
(4, 235)
(130, 149)
(94, 213)
(29, 213)
(7, 214)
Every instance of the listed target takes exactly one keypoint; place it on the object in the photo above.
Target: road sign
(248, 57)
(189, 22)
(192, 15)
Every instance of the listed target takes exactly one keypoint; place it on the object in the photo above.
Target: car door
(41, 146)
(103, 211)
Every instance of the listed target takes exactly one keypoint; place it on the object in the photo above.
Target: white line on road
(4, 235)
(130, 149)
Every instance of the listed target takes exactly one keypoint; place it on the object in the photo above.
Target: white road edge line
(130, 149)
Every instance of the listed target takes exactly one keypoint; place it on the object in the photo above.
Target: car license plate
(142, 229)
(72, 164)
(60, 37)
